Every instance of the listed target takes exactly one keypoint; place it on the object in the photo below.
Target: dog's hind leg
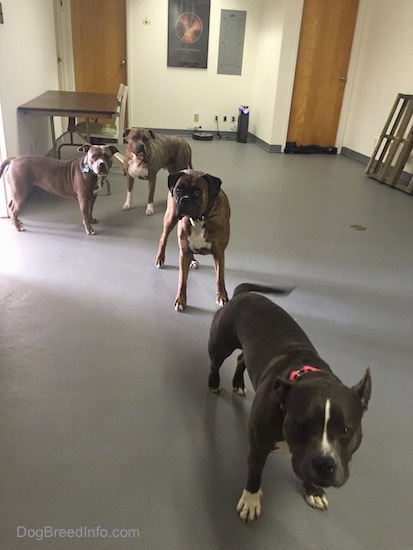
(219, 349)
(19, 196)
(14, 215)
(238, 384)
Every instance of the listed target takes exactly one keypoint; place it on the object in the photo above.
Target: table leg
(53, 137)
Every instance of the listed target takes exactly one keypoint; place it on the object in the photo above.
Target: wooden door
(326, 37)
(99, 45)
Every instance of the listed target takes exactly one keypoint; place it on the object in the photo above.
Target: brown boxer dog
(72, 179)
(146, 153)
(197, 203)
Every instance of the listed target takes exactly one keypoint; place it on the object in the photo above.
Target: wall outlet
(225, 118)
(232, 119)
(196, 118)
(216, 118)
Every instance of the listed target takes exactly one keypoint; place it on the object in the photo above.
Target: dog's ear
(214, 185)
(113, 149)
(172, 179)
(126, 132)
(84, 148)
(281, 389)
(151, 134)
(363, 389)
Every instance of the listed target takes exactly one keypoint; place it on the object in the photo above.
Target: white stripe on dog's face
(325, 445)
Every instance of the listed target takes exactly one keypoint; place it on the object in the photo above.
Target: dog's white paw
(194, 264)
(128, 201)
(249, 506)
(240, 391)
(19, 225)
(179, 305)
(149, 209)
(318, 502)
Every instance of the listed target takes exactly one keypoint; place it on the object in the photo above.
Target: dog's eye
(346, 432)
(197, 192)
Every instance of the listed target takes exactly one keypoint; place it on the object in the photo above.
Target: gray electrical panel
(231, 41)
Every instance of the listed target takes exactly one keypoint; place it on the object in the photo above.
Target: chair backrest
(120, 113)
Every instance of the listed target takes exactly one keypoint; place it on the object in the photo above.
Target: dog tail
(4, 164)
(252, 287)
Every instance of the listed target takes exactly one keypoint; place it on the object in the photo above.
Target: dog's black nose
(324, 468)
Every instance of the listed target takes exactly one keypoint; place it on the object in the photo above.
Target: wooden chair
(108, 133)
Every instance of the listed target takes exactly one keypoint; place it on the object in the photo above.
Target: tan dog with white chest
(197, 203)
(146, 153)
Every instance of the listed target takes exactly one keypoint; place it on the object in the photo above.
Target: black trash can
(242, 128)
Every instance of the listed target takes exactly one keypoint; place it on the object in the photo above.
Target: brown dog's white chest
(196, 238)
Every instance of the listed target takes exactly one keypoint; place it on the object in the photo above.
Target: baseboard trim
(251, 138)
(345, 151)
(264, 145)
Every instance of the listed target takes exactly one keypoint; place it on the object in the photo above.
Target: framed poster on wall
(188, 33)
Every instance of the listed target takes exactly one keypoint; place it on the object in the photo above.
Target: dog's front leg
(169, 222)
(315, 496)
(129, 187)
(151, 193)
(184, 261)
(249, 505)
(91, 205)
(86, 207)
(219, 261)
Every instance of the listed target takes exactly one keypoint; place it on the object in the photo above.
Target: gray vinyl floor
(107, 425)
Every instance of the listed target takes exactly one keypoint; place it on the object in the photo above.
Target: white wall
(28, 67)
(279, 34)
(384, 68)
(168, 97)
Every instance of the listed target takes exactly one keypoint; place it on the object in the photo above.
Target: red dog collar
(297, 373)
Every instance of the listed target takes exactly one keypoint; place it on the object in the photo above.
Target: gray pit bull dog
(298, 400)
(72, 179)
(146, 153)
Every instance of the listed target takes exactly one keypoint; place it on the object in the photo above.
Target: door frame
(353, 62)
(63, 22)
(3, 155)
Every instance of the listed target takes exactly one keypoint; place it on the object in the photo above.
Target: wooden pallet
(394, 146)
